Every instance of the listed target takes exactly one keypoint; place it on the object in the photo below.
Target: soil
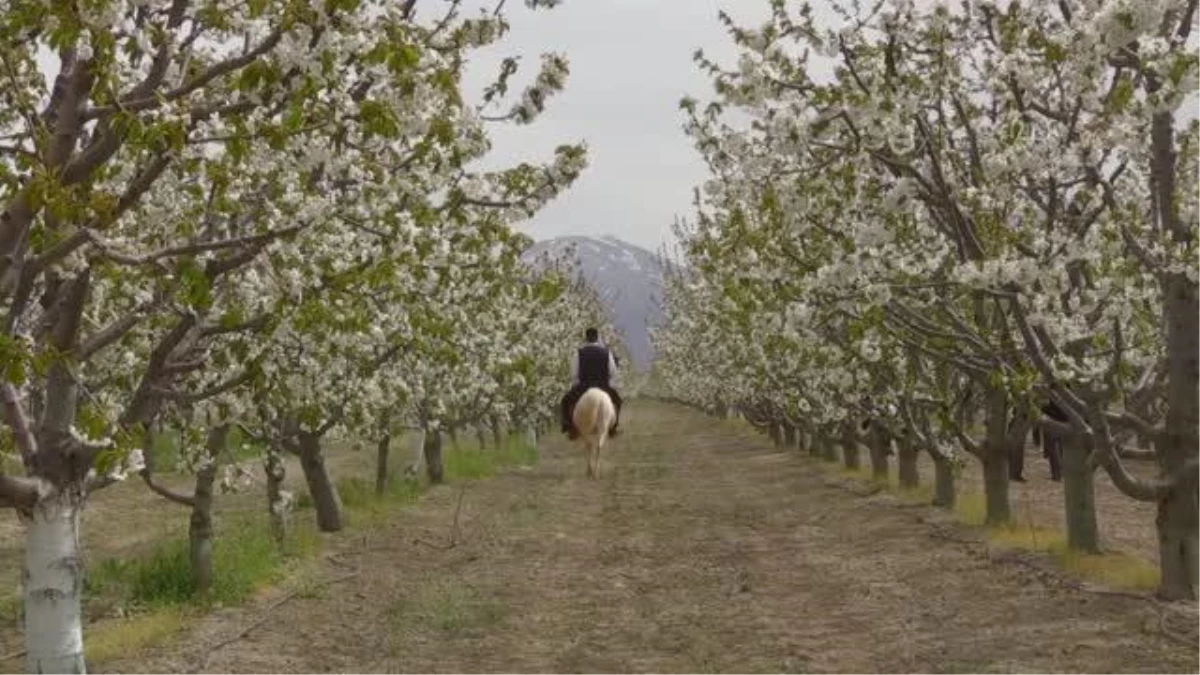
(700, 549)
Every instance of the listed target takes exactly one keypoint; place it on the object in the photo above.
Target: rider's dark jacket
(593, 366)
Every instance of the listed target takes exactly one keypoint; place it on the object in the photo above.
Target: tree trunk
(850, 451)
(944, 494)
(53, 587)
(453, 433)
(1179, 442)
(277, 505)
(480, 437)
(381, 462)
(773, 430)
(789, 436)
(200, 525)
(531, 437)
(906, 462)
(995, 457)
(432, 447)
(200, 529)
(829, 448)
(1177, 522)
(1177, 544)
(880, 445)
(497, 432)
(1080, 497)
(995, 488)
(320, 487)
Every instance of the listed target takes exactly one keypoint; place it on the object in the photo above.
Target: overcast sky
(631, 62)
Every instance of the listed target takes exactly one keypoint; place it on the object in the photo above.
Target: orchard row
(946, 227)
(266, 215)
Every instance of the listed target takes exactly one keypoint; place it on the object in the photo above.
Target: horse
(593, 416)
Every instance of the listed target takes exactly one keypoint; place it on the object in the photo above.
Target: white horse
(594, 415)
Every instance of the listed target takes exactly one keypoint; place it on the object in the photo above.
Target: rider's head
(591, 335)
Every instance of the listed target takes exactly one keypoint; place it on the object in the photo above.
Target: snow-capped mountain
(630, 279)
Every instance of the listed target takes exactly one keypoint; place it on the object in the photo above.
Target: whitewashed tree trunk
(277, 505)
(53, 587)
(531, 436)
(417, 451)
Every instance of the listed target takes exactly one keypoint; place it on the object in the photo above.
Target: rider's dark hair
(591, 335)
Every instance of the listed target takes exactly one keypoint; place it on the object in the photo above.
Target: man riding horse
(593, 365)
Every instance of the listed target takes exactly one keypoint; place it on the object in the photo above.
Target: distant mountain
(629, 278)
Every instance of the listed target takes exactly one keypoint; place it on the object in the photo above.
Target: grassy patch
(363, 506)
(453, 608)
(120, 638)
(10, 607)
(1116, 569)
(245, 559)
(474, 463)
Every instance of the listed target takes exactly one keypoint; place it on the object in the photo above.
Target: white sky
(631, 63)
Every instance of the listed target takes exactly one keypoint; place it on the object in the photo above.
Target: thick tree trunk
(497, 432)
(200, 528)
(432, 447)
(789, 436)
(320, 486)
(53, 587)
(453, 433)
(995, 488)
(480, 437)
(850, 450)
(880, 446)
(277, 506)
(531, 437)
(995, 458)
(1177, 521)
(906, 462)
(1079, 497)
(200, 525)
(774, 431)
(829, 448)
(944, 494)
(382, 450)
(1179, 442)
(1177, 544)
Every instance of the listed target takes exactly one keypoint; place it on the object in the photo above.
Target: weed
(123, 637)
(453, 608)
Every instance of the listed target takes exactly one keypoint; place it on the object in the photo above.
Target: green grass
(157, 593)
(245, 559)
(363, 507)
(470, 463)
(130, 635)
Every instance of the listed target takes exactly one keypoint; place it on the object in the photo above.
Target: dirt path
(701, 549)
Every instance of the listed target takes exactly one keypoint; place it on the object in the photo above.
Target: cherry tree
(962, 206)
(181, 144)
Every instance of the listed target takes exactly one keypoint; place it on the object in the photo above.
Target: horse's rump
(594, 412)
